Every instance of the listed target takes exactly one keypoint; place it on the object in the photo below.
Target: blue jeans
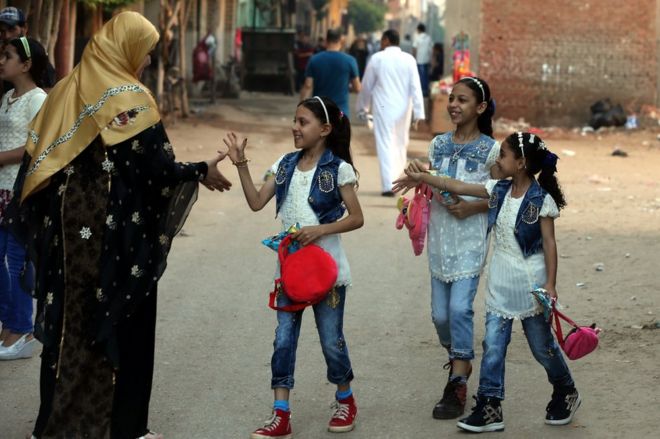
(423, 70)
(329, 323)
(452, 315)
(15, 302)
(541, 342)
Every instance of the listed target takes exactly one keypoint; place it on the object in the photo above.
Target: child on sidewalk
(314, 187)
(23, 64)
(522, 210)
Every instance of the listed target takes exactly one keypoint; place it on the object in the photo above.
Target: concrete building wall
(465, 16)
(548, 61)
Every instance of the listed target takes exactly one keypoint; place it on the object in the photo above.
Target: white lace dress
(511, 276)
(457, 248)
(296, 209)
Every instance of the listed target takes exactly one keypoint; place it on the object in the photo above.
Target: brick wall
(549, 60)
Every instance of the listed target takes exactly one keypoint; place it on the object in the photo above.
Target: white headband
(520, 144)
(325, 110)
(476, 81)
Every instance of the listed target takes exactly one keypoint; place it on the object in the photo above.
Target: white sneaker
(21, 349)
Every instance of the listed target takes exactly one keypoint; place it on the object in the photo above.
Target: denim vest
(474, 153)
(324, 197)
(528, 226)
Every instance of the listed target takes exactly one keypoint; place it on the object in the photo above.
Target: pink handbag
(414, 214)
(580, 341)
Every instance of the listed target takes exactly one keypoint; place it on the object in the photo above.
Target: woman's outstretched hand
(236, 150)
(214, 179)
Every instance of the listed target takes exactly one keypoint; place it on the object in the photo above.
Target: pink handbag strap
(556, 315)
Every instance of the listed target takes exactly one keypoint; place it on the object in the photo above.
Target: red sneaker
(344, 417)
(278, 427)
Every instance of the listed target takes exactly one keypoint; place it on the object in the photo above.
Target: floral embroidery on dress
(135, 146)
(136, 271)
(164, 240)
(61, 189)
(85, 233)
(136, 218)
(110, 222)
(166, 192)
(49, 298)
(99, 294)
(107, 165)
(69, 170)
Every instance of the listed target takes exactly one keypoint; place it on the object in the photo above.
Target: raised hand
(214, 179)
(236, 150)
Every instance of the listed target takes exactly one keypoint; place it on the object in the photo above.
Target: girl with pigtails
(522, 210)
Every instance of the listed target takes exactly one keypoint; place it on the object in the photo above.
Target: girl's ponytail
(538, 160)
(548, 181)
(339, 139)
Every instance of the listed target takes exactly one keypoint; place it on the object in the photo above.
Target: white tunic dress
(511, 276)
(457, 248)
(296, 209)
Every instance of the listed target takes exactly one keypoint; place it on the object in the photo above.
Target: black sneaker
(486, 416)
(452, 404)
(563, 405)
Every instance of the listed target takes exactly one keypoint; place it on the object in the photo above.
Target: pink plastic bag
(414, 214)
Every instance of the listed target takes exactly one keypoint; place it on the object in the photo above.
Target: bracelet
(241, 163)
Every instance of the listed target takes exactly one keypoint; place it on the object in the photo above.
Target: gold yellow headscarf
(81, 106)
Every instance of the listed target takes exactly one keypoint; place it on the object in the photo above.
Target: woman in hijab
(101, 198)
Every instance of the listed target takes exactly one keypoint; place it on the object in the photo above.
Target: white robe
(390, 84)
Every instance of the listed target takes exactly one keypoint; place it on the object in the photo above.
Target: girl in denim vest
(314, 187)
(457, 232)
(523, 210)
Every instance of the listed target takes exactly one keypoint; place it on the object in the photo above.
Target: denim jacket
(528, 226)
(446, 156)
(324, 197)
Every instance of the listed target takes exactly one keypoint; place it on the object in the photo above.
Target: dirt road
(215, 331)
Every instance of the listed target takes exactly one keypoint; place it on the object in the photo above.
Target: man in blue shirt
(331, 72)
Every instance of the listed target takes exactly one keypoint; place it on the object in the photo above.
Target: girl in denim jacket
(523, 210)
(457, 232)
(314, 187)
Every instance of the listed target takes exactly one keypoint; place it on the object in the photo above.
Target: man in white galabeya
(392, 89)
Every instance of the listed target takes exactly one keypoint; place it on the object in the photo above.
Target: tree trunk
(53, 28)
(184, 13)
(63, 50)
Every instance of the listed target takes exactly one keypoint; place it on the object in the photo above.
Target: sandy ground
(215, 331)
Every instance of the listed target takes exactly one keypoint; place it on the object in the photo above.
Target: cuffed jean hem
(461, 355)
(282, 383)
(491, 392)
(345, 379)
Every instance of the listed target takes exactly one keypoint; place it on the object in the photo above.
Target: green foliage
(366, 15)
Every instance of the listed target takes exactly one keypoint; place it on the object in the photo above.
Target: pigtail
(548, 181)
(538, 160)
